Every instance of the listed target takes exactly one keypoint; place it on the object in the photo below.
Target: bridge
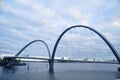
(52, 59)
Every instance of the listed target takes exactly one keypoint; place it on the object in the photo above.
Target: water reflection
(6, 70)
(118, 75)
(28, 67)
(51, 76)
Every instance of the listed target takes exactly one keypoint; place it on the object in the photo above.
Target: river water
(62, 71)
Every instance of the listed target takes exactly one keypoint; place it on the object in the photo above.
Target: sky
(22, 21)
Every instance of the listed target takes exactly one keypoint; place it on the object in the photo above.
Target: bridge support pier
(51, 66)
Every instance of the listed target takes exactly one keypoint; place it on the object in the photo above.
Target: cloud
(116, 24)
(25, 20)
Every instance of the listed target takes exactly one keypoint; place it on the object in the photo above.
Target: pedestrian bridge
(52, 59)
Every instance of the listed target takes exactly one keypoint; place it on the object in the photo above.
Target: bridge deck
(60, 60)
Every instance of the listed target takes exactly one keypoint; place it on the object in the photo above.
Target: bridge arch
(95, 31)
(32, 43)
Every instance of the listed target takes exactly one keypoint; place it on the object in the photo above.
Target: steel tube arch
(30, 44)
(98, 33)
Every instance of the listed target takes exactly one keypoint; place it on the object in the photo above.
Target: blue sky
(22, 21)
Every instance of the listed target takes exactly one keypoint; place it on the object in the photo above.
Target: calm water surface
(63, 71)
